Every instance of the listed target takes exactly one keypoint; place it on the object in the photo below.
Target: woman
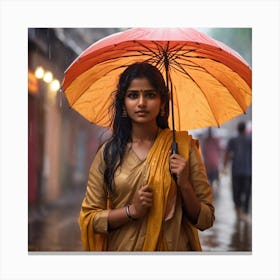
(132, 202)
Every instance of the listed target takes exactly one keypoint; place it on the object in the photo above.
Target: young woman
(132, 202)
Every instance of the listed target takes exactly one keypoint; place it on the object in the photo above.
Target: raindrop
(60, 97)
(49, 46)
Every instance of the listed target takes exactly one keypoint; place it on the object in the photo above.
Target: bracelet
(128, 213)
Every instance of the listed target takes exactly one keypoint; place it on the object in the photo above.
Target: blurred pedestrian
(132, 202)
(239, 151)
(212, 152)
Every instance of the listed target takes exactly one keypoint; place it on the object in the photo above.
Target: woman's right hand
(142, 201)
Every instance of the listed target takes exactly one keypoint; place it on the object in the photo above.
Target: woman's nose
(141, 101)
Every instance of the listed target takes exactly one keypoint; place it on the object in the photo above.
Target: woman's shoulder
(101, 148)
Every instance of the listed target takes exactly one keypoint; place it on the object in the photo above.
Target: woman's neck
(142, 133)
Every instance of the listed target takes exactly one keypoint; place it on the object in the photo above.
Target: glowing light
(55, 85)
(39, 72)
(48, 77)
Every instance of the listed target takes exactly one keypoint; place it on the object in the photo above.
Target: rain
(62, 145)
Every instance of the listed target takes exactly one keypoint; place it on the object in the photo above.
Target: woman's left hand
(179, 166)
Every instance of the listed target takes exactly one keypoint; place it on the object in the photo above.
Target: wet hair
(115, 148)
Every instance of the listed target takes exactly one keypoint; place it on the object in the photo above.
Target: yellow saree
(164, 199)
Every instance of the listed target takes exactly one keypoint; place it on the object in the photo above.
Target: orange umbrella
(209, 82)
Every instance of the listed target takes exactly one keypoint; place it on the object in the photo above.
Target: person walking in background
(239, 151)
(211, 150)
(132, 202)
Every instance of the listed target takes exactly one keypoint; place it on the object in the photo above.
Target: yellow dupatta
(163, 185)
(91, 240)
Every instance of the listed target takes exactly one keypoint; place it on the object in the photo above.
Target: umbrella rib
(175, 52)
(81, 93)
(185, 54)
(149, 49)
(155, 57)
(184, 71)
(209, 73)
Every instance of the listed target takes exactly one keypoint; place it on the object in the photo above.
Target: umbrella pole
(174, 146)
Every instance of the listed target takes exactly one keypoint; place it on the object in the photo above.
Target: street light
(48, 77)
(55, 85)
(39, 72)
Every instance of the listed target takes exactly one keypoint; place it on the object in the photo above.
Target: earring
(162, 112)
(124, 113)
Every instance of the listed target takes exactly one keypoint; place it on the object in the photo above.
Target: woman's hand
(142, 201)
(179, 166)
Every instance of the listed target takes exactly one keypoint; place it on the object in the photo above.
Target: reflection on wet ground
(229, 233)
(57, 229)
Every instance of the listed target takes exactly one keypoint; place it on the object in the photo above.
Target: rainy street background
(61, 146)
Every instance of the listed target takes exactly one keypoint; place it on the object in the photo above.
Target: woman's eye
(151, 94)
(132, 95)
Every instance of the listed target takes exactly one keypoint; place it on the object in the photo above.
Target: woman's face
(142, 102)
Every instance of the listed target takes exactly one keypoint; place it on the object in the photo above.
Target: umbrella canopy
(210, 83)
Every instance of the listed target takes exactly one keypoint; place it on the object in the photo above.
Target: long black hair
(115, 148)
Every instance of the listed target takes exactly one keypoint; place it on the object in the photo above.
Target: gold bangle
(128, 213)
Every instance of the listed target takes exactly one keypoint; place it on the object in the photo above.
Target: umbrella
(209, 83)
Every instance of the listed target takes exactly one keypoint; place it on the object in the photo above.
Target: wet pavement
(56, 228)
(229, 233)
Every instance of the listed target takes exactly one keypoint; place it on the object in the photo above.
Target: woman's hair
(115, 148)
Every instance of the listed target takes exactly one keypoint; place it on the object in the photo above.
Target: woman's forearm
(191, 203)
(117, 218)
(121, 216)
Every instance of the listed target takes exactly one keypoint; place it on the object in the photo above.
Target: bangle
(128, 213)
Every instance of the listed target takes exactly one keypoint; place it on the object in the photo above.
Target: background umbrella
(209, 83)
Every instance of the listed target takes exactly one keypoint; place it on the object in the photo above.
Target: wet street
(56, 228)
(228, 233)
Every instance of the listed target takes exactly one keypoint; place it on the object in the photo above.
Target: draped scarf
(91, 240)
(163, 186)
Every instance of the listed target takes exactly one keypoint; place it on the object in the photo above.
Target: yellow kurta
(166, 227)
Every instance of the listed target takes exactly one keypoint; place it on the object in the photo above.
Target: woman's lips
(141, 113)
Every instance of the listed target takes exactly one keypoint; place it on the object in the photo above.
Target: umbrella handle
(174, 150)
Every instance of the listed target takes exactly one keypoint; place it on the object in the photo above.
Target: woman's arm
(179, 165)
(194, 187)
(142, 201)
